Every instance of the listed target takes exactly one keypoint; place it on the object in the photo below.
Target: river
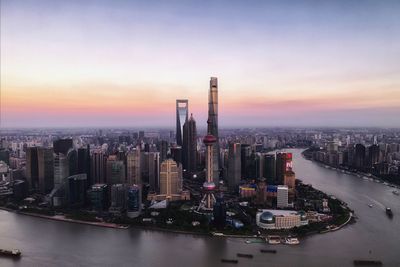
(374, 236)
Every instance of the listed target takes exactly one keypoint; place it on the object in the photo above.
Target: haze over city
(123, 63)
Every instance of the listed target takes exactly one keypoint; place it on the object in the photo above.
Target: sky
(124, 63)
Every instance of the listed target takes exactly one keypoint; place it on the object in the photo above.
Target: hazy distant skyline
(124, 63)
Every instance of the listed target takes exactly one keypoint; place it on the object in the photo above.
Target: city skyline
(124, 64)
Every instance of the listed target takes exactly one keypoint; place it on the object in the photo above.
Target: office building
(270, 168)
(119, 196)
(282, 198)
(163, 150)
(234, 165)
(170, 180)
(62, 146)
(31, 171)
(134, 174)
(61, 169)
(359, 158)
(45, 169)
(150, 170)
(98, 197)
(115, 171)
(98, 166)
(289, 179)
(182, 114)
(212, 124)
(134, 204)
(283, 164)
(84, 163)
(190, 145)
(176, 154)
(76, 190)
(219, 212)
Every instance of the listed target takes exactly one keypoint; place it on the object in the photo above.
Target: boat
(274, 239)
(367, 262)
(241, 255)
(292, 241)
(370, 205)
(395, 192)
(229, 261)
(250, 241)
(217, 234)
(15, 253)
(268, 251)
(389, 212)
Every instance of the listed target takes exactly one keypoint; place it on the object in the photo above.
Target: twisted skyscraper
(213, 123)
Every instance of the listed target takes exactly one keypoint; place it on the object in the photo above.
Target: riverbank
(62, 218)
(369, 176)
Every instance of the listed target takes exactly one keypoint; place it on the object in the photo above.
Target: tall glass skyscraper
(190, 145)
(212, 123)
(182, 114)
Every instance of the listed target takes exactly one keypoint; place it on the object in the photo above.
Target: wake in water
(375, 201)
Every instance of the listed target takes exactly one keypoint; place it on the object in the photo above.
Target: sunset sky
(123, 63)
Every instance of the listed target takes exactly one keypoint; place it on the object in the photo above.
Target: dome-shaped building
(267, 217)
(265, 220)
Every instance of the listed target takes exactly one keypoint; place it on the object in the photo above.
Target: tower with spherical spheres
(208, 199)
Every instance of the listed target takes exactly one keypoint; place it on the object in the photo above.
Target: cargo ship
(15, 253)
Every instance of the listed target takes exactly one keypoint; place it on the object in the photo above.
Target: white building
(282, 196)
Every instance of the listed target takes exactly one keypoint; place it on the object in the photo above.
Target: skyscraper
(32, 167)
(61, 168)
(170, 180)
(212, 123)
(282, 196)
(84, 163)
(163, 150)
(76, 190)
(134, 175)
(182, 114)
(150, 169)
(62, 145)
(115, 171)
(359, 159)
(118, 198)
(283, 164)
(234, 165)
(45, 169)
(134, 204)
(190, 145)
(176, 154)
(98, 167)
(269, 168)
